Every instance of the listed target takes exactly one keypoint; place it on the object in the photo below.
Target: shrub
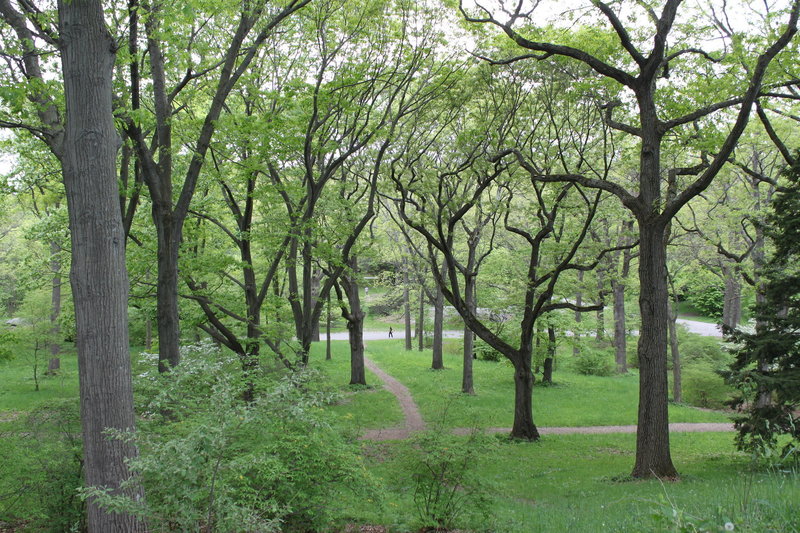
(43, 465)
(447, 484)
(595, 362)
(704, 387)
(697, 349)
(707, 299)
(484, 352)
(210, 462)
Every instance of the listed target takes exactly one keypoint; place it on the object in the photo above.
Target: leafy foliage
(766, 370)
(211, 462)
(595, 362)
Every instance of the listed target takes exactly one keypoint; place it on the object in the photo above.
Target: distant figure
(390, 332)
(366, 291)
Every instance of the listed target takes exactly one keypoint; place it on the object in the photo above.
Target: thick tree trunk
(355, 326)
(438, 324)
(55, 310)
(98, 276)
(652, 436)
(167, 322)
(523, 428)
(677, 396)
(406, 304)
(620, 329)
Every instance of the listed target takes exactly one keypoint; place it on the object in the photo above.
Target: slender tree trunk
(98, 276)
(55, 310)
(421, 321)
(315, 282)
(523, 427)
(148, 334)
(438, 324)
(355, 326)
(576, 347)
(467, 384)
(406, 304)
(652, 437)
(677, 396)
(620, 329)
(600, 333)
(547, 377)
(328, 331)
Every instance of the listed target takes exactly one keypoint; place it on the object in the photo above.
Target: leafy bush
(484, 352)
(704, 387)
(447, 484)
(595, 362)
(43, 466)
(7, 342)
(210, 462)
(698, 349)
(707, 299)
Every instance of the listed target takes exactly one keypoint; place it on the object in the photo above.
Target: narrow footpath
(414, 422)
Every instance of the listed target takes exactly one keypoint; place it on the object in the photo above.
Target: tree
(86, 144)
(767, 361)
(253, 25)
(640, 65)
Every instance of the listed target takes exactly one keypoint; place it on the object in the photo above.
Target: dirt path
(413, 418)
(414, 421)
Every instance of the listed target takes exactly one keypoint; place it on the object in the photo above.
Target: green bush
(704, 387)
(595, 362)
(42, 470)
(707, 299)
(484, 352)
(447, 483)
(698, 349)
(210, 462)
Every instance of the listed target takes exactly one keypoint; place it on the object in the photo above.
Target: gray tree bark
(55, 310)
(98, 276)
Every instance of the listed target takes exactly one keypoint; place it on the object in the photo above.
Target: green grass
(580, 483)
(573, 400)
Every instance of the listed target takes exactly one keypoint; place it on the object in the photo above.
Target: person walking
(390, 332)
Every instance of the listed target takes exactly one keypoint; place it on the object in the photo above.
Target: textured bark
(600, 332)
(438, 323)
(523, 427)
(355, 324)
(547, 375)
(98, 276)
(148, 334)
(167, 318)
(732, 300)
(652, 436)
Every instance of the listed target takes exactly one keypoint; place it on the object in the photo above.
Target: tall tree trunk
(467, 384)
(315, 282)
(148, 334)
(328, 331)
(547, 376)
(421, 321)
(652, 436)
(576, 347)
(98, 276)
(438, 324)
(355, 325)
(406, 304)
(732, 300)
(620, 329)
(523, 427)
(600, 333)
(167, 322)
(55, 310)
(677, 395)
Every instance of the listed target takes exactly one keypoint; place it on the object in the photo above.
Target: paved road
(701, 328)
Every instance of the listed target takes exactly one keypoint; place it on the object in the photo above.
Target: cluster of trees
(280, 145)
